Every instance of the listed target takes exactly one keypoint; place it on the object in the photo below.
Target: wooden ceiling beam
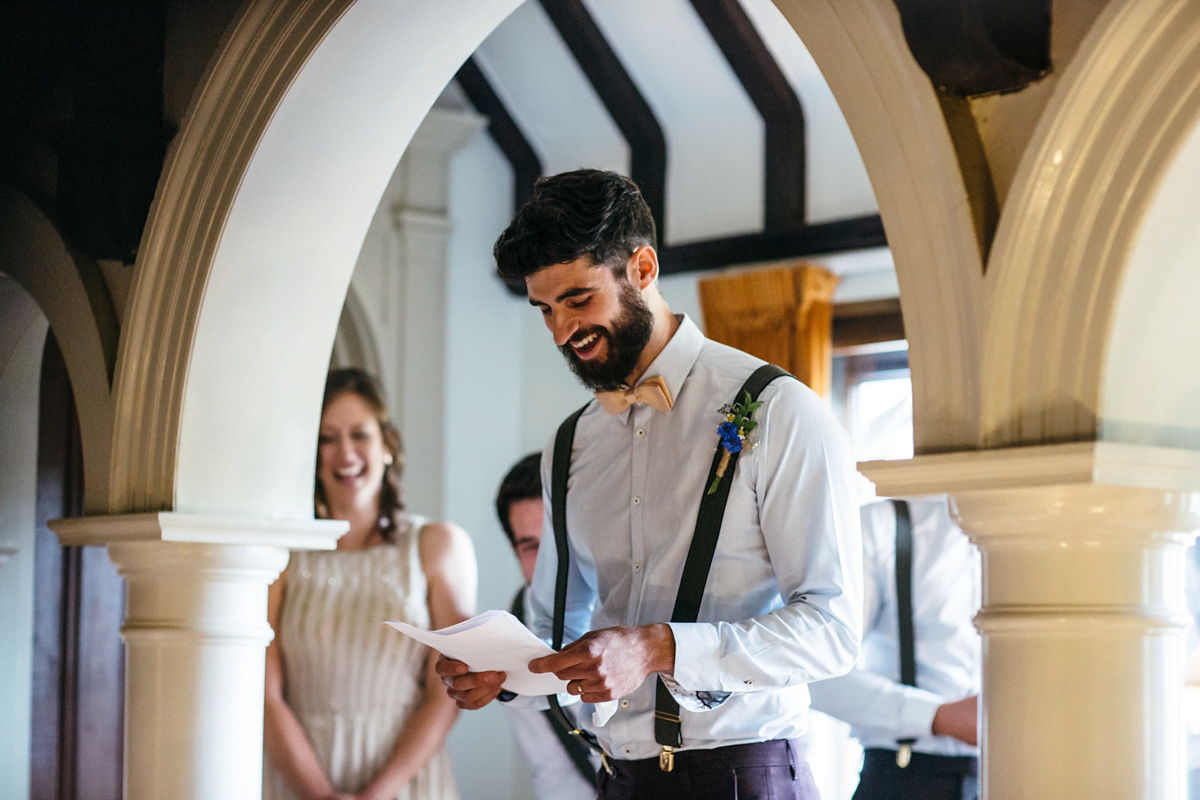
(621, 97)
(783, 117)
(503, 129)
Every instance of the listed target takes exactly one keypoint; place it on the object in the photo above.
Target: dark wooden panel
(621, 97)
(521, 156)
(777, 104)
(78, 660)
(100, 701)
(53, 493)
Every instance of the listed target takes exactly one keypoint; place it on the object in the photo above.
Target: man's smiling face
(599, 320)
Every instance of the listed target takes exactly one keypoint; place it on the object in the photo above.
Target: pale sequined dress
(352, 681)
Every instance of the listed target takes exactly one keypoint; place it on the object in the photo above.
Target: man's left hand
(610, 663)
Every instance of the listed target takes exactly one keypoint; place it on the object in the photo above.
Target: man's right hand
(470, 690)
(959, 719)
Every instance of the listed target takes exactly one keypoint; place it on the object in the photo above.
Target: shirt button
(637, 567)
(641, 432)
(749, 683)
(637, 501)
(628, 751)
(625, 704)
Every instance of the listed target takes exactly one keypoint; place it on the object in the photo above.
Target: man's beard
(625, 342)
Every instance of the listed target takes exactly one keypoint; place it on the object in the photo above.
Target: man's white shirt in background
(946, 596)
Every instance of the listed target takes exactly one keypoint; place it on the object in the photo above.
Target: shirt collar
(675, 361)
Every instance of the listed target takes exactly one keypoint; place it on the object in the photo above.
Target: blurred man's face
(525, 516)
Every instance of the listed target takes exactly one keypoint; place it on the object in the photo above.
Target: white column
(1083, 611)
(421, 229)
(195, 634)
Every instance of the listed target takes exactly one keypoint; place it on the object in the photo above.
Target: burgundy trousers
(775, 770)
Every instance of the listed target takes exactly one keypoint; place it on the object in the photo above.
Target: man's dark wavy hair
(523, 482)
(586, 212)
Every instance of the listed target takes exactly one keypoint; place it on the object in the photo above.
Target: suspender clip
(903, 755)
(666, 759)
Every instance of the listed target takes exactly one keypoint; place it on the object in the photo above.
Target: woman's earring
(387, 459)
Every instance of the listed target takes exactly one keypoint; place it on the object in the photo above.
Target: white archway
(354, 345)
(894, 114)
(216, 395)
(81, 316)
(1126, 105)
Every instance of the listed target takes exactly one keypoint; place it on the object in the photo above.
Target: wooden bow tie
(652, 391)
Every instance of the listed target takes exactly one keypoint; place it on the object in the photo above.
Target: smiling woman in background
(353, 709)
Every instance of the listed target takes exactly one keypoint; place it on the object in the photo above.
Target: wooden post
(782, 315)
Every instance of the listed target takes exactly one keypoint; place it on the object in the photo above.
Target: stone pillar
(1083, 611)
(421, 233)
(195, 633)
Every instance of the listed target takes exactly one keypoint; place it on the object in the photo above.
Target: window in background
(872, 396)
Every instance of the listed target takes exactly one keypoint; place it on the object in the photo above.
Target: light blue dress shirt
(783, 602)
(946, 595)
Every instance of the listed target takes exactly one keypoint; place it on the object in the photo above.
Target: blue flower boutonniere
(733, 432)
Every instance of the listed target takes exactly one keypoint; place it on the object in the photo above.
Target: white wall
(482, 378)
(1151, 385)
(22, 337)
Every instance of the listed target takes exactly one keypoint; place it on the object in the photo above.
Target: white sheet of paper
(493, 640)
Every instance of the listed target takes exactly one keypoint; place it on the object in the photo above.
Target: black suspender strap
(904, 609)
(560, 469)
(667, 722)
(575, 747)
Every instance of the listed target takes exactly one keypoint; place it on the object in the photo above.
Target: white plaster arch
(246, 258)
(82, 318)
(355, 344)
(1125, 106)
(893, 112)
(1151, 388)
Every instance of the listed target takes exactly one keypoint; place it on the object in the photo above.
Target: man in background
(919, 740)
(562, 765)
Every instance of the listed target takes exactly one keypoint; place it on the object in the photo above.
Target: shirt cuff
(916, 712)
(694, 701)
(697, 662)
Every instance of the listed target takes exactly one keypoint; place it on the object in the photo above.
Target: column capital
(1112, 464)
(170, 526)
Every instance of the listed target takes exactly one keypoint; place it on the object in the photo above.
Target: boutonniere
(733, 432)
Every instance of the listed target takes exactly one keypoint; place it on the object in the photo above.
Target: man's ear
(642, 269)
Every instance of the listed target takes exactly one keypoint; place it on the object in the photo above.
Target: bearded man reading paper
(688, 439)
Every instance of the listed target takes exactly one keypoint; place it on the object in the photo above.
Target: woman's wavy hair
(391, 498)
(587, 212)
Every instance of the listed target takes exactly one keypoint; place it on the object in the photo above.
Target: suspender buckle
(903, 755)
(604, 763)
(666, 759)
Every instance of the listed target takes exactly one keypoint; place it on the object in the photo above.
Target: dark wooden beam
(867, 322)
(974, 47)
(621, 97)
(777, 104)
(827, 237)
(505, 132)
